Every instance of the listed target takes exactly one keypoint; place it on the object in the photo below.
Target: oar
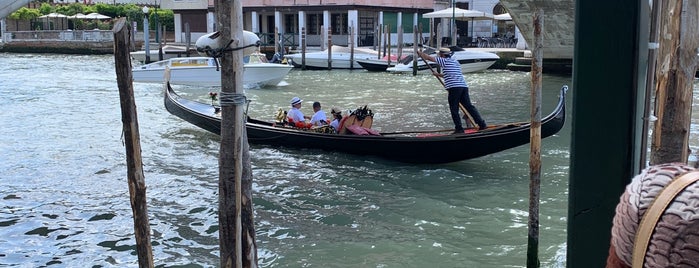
(463, 109)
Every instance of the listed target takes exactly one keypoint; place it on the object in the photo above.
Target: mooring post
(415, 37)
(134, 162)
(303, 48)
(236, 225)
(330, 48)
(676, 67)
(535, 142)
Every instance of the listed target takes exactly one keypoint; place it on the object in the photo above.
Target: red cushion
(357, 130)
(372, 132)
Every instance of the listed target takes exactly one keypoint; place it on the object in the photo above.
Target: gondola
(398, 146)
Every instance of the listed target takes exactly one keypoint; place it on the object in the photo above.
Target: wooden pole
(535, 142)
(134, 163)
(414, 50)
(330, 49)
(399, 46)
(676, 66)
(385, 39)
(379, 38)
(432, 30)
(236, 225)
(351, 45)
(188, 37)
(303, 48)
(388, 43)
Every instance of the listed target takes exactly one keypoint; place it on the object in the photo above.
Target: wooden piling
(535, 141)
(379, 37)
(303, 48)
(188, 38)
(134, 163)
(351, 45)
(330, 50)
(399, 39)
(676, 67)
(236, 225)
(415, 37)
(388, 43)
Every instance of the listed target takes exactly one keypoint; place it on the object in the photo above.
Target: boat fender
(208, 44)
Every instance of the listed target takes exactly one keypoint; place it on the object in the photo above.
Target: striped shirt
(451, 69)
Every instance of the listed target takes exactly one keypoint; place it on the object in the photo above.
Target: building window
(290, 23)
(339, 23)
(313, 24)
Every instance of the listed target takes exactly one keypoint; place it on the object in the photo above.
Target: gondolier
(455, 84)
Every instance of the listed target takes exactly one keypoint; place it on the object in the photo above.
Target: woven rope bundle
(675, 241)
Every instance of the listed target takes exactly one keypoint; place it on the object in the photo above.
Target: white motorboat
(470, 60)
(340, 58)
(204, 71)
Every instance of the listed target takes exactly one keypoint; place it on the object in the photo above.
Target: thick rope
(232, 99)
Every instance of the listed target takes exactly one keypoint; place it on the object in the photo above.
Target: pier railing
(64, 35)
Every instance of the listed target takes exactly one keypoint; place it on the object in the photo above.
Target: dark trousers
(460, 95)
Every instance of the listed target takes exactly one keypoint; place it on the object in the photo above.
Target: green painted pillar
(610, 60)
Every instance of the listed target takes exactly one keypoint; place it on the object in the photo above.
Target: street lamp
(146, 37)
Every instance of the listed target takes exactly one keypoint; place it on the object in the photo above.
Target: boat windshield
(256, 58)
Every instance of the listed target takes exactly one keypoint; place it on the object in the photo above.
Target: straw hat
(296, 100)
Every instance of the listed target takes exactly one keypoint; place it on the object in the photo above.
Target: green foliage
(45, 8)
(70, 9)
(105, 9)
(166, 18)
(89, 9)
(25, 14)
(132, 12)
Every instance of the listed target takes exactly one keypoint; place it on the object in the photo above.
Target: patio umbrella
(53, 16)
(77, 16)
(96, 16)
(459, 14)
(505, 16)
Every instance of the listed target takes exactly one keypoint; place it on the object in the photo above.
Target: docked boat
(470, 60)
(340, 58)
(380, 65)
(205, 71)
(413, 147)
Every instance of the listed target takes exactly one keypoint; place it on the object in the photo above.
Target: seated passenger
(295, 116)
(319, 118)
(337, 116)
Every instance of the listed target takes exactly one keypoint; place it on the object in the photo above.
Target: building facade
(342, 21)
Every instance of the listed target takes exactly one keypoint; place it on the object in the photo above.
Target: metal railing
(78, 35)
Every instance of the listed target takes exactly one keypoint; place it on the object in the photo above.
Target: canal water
(65, 200)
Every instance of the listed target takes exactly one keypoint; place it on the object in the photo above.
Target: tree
(46, 8)
(24, 14)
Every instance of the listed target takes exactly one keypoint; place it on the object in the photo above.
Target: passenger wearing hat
(319, 118)
(295, 115)
(337, 116)
(455, 84)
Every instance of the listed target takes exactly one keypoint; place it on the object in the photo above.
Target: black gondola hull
(411, 149)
